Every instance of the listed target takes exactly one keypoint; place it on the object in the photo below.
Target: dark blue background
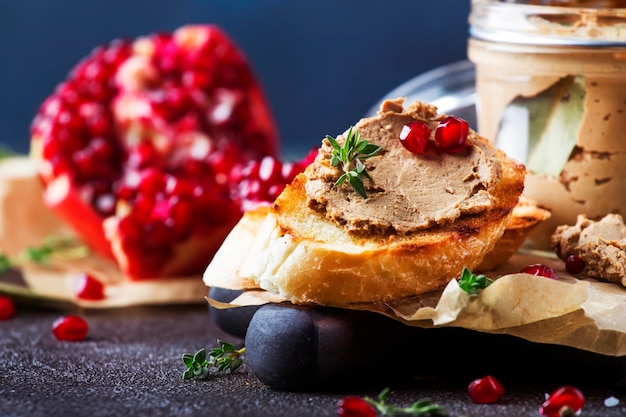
(322, 64)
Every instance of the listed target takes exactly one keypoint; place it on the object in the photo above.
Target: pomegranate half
(136, 147)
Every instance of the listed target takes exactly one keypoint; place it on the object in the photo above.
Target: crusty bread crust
(526, 215)
(304, 257)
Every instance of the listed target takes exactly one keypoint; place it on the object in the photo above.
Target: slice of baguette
(304, 256)
(526, 215)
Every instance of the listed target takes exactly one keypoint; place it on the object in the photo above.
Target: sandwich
(396, 206)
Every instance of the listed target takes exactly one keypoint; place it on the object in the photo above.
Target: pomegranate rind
(187, 258)
(60, 197)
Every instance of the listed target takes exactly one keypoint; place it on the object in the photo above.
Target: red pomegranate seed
(352, 406)
(414, 136)
(70, 328)
(143, 155)
(565, 401)
(180, 217)
(89, 288)
(261, 182)
(451, 134)
(574, 264)
(540, 271)
(7, 308)
(485, 390)
(269, 169)
(101, 149)
(156, 234)
(152, 181)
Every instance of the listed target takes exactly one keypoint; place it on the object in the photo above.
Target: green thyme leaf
(53, 247)
(421, 408)
(5, 263)
(350, 156)
(197, 365)
(472, 283)
(225, 357)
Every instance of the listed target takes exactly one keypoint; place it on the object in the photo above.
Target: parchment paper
(573, 311)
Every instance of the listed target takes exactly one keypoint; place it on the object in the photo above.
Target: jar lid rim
(504, 36)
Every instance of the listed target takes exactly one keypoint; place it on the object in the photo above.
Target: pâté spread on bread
(415, 216)
(600, 245)
(407, 193)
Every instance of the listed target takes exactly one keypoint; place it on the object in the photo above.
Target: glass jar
(551, 92)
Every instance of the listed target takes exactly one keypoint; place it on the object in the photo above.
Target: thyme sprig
(420, 408)
(53, 247)
(224, 358)
(351, 156)
(472, 283)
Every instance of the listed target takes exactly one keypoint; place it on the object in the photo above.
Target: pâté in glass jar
(551, 93)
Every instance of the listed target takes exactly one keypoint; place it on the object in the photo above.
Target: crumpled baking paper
(580, 313)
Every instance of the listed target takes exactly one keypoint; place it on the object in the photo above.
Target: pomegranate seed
(485, 390)
(130, 228)
(70, 120)
(261, 182)
(99, 125)
(194, 168)
(7, 308)
(143, 207)
(352, 406)
(101, 149)
(451, 134)
(89, 288)
(269, 169)
(414, 136)
(94, 70)
(180, 217)
(574, 264)
(540, 271)
(565, 401)
(196, 79)
(70, 328)
(143, 155)
(179, 187)
(152, 181)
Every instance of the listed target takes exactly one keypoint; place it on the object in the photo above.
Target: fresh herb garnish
(420, 408)
(472, 283)
(351, 156)
(53, 247)
(223, 358)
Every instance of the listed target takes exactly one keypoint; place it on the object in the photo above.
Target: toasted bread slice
(309, 251)
(526, 215)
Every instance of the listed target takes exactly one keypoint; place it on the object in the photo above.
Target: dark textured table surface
(130, 365)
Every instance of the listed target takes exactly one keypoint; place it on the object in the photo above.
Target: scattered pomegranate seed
(565, 401)
(451, 134)
(485, 390)
(574, 264)
(414, 136)
(89, 288)
(70, 328)
(540, 271)
(352, 406)
(7, 308)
